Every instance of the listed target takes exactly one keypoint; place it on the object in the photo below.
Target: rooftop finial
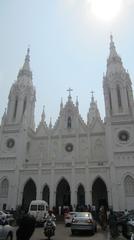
(111, 37)
(92, 98)
(69, 90)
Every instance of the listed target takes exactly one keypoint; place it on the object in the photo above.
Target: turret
(21, 101)
(117, 86)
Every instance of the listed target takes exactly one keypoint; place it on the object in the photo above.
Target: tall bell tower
(117, 87)
(21, 100)
(119, 122)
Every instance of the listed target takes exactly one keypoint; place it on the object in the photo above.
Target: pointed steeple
(117, 86)
(22, 97)
(26, 65)
(43, 115)
(113, 52)
(93, 110)
(25, 73)
(114, 62)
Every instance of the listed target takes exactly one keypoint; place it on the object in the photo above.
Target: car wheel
(9, 237)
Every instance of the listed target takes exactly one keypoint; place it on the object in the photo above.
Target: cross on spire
(70, 90)
(92, 95)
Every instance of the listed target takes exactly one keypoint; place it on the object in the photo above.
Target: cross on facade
(70, 90)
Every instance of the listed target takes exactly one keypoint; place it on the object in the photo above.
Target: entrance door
(81, 195)
(99, 193)
(29, 194)
(46, 194)
(63, 193)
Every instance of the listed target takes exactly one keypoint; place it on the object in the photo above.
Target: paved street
(64, 233)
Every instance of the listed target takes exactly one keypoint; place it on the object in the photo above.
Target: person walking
(26, 227)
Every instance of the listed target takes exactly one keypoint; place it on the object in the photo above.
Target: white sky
(69, 47)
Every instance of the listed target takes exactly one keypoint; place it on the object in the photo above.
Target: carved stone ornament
(69, 147)
(10, 142)
(123, 136)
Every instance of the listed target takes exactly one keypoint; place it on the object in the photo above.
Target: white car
(68, 218)
(6, 231)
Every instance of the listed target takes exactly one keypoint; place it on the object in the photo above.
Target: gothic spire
(26, 65)
(114, 62)
(43, 115)
(25, 70)
(93, 110)
(112, 47)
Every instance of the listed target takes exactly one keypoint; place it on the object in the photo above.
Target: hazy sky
(69, 47)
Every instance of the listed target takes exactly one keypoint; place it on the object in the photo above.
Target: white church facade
(73, 162)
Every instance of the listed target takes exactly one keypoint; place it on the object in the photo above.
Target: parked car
(83, 221)
(6, 231)
(68, 218)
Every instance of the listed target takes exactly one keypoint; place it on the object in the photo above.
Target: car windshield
(33, 207)
(41, 207)
(83, 214)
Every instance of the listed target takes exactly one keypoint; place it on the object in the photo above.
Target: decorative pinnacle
(43, 114)
(92, 98)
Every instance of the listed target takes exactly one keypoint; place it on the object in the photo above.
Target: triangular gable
(42, 130)
(97, 126)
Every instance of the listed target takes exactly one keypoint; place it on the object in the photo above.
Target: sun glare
(106, 10)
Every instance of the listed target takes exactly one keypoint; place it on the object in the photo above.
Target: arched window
(81, 195)
(128, 100)
(129, 186)
(15, 107)
(46, 194)
(110, 100)
(24, 106)
(69, 122)
(119, 96)
(4, 187)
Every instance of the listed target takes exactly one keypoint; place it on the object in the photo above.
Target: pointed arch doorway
(81, 195)
(63, 193)
(99, 193)
(29, 194)
(46, 194)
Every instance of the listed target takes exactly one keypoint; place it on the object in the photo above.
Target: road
(64, 233)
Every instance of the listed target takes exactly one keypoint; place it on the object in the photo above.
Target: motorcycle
(49, 229)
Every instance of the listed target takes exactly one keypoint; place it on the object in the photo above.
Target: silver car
(83, 221)
(6, 231)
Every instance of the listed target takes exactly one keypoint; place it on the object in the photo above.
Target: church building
(72, 162)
